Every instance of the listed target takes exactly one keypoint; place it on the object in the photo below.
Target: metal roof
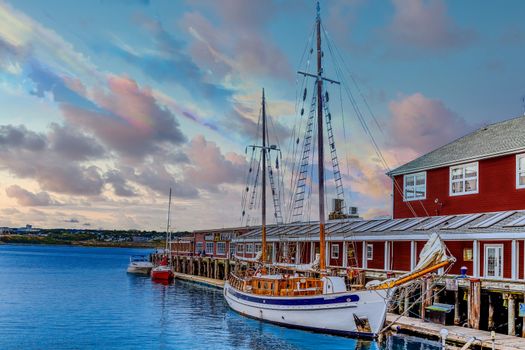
(492, 225)
(493, 140)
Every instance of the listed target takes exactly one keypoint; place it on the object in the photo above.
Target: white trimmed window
(335, 251)
(249, 248)
(493, 260)
(258, 247)
(239, 248)
(209, 248)
(369, 252)
(415, 186)
(520, 171)
(198, 247)
(464, 179)
(221, 248)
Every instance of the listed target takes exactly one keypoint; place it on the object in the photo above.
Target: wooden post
(512, 315)
(474, 303)
(199, 262)
(208, 262)
(490, 323)
(523, 325)
(435, 292)
(457, 315)
(216, 269)
(226, 269)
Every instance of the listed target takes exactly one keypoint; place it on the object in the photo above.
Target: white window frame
(258, 247)
(223, 245)
(209, 252)
(334, 253)
(239, 248)
(198, 247)
(369, 252)
(485, 260)
(463, 166)
(519, 171)
(414, 175)
(249, 248)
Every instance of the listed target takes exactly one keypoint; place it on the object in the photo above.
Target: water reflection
(83, 298)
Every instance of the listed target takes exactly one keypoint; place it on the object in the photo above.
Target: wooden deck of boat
(456, 334)
(202, 280)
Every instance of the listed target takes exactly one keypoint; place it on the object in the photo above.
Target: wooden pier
(456, 335)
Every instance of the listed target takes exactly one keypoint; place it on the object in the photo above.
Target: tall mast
(168, 238)
(320, 142)
(263, 178)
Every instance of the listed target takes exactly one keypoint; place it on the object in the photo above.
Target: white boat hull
(140, 269)
(327, 313)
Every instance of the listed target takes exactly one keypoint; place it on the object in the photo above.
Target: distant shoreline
(24, 240)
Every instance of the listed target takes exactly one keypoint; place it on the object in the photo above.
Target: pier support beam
(490, 322)
(426, 290)
(226, 269)
(216, 269)
(512, 314)
(523, 324)
(457, 315)
(474, 303)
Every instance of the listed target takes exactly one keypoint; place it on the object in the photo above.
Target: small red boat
(162, 272)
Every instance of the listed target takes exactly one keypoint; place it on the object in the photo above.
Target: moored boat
(139, 264)
(164, 272)
(308, 296)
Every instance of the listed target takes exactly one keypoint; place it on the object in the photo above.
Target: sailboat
(163, 272)
(306, 296)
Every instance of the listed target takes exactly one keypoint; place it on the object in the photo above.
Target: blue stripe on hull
(296, 301)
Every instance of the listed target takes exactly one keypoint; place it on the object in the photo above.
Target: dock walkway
(456, 334)
(201, 280)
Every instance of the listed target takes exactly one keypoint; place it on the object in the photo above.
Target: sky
(106, 104)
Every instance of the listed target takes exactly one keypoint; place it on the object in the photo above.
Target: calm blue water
(54, 297)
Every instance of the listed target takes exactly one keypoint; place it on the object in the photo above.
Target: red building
(483, 171)
(216, 242)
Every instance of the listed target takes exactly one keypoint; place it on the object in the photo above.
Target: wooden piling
(199, 266)
(490, 322)
(474, 303)
(226, 269)
(523, 324)
(457, 315)
(426, 292)
(216, 269)
(511, 314)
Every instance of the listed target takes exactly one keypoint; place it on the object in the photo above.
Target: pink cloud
(426, 24)
(423, 124)
(132, 122)
(210, 168)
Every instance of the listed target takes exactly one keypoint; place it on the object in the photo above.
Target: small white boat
(139, 264)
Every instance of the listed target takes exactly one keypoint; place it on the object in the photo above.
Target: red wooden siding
(378, 257)
(456, 248)
(401, 255)
(305, 252)
(497, 191)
